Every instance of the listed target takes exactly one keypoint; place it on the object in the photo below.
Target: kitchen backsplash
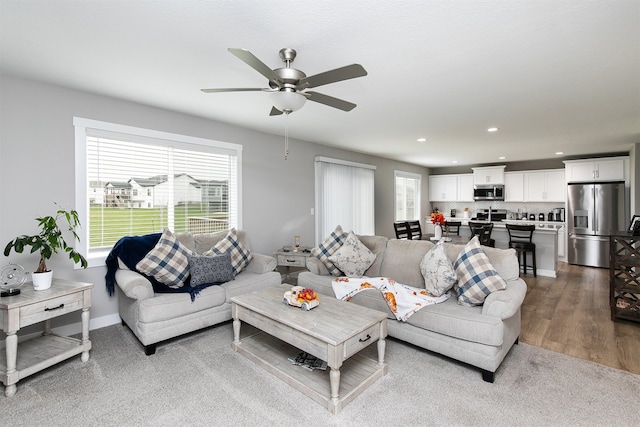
(515, 207)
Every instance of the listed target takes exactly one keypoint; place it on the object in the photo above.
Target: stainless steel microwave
(488, 192)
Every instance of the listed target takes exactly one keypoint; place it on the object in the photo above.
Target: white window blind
(133, 181)
(344, 196)
(407, 197)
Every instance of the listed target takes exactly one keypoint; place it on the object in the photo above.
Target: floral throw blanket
(402, 300)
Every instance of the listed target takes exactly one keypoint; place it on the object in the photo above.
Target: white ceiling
(552, 75)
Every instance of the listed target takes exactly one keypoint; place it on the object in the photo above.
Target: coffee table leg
(382, 344)
(334, 379)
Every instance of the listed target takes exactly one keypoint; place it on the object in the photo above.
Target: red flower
(437, 218)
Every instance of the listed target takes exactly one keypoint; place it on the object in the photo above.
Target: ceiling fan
(288, 86)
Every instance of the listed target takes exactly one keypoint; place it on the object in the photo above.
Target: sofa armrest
(261, 264)
(505, 303)
(316, 266)
(134, 285)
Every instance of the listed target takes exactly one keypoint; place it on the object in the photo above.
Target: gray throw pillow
(439, 275)
(210, 269)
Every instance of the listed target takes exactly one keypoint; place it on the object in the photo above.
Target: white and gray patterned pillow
(352, 258)
(210, 269)
(167, 262)
(439, 275)
(328, 247)
(476, 276)
(240, 255)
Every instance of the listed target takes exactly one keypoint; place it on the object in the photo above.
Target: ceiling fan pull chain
(286, 135)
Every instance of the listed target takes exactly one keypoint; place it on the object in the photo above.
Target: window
(142, 181)
(344, 196)
(407, 188)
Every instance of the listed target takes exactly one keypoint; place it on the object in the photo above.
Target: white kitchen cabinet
(562, 239)
(465, 188)
(514, 187)
(544, 186)
(605, 169)
(488, 175)
(443, 188)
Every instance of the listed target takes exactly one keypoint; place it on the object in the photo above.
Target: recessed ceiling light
(422, 139)
(501, 158)
(492, 130)
(559, 153)
(455, 161)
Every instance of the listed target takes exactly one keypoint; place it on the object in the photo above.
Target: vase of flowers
(437, 219)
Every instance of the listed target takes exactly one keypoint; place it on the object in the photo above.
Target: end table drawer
(362, 340)
(292, 261)
(51, 308)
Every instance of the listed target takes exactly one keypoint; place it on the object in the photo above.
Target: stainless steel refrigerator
(594, 211)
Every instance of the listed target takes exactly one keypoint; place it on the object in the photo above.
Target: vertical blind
(344, 196)
(138, 185)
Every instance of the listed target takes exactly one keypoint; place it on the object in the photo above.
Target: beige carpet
(198, 380)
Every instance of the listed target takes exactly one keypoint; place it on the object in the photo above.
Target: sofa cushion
(402, 259)
(377, 245)
(476, 276)
(439, 275)
(170, 307)
(352, 258)
(205, 241)
(210, 269)
(240, 255)
(167, 262)
(328, 247)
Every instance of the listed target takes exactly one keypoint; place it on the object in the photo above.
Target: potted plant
(48, 242)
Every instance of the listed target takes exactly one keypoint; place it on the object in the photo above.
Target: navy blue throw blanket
(131, 249)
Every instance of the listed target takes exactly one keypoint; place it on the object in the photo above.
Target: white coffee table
(335, 332)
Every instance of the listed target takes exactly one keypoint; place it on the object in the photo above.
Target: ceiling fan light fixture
(287, 101)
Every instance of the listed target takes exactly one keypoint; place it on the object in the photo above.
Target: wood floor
(571, 315)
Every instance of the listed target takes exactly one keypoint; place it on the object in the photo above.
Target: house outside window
(151, 180)
(407, 196)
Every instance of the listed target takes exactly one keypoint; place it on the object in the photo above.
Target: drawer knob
(54, 308)
(366, 339)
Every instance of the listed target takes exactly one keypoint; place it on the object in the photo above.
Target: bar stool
(520, 239)
(483, 231)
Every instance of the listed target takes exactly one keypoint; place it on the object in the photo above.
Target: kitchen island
(545, 238)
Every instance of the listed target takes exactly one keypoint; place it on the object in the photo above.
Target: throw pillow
(439, 275)
(210, 269)
(240, 255)
(328, 247)
(167, 262)
(476, 276)
(352, 258)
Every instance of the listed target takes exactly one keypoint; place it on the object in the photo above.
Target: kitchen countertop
(540, 225)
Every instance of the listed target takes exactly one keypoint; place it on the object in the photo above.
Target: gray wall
(37, 169)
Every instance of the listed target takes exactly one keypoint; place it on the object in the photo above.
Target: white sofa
(155, 317)
(480, 336)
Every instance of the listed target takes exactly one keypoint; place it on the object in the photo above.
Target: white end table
(30, 307)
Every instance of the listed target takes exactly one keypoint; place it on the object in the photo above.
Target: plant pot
(42, 281)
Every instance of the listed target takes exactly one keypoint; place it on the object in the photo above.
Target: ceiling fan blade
(275, 112)
(330, 101)
(344, 73)
(237, 89)
(251, 60)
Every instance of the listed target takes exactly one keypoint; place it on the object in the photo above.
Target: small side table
(290, 259)
(30, 307)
